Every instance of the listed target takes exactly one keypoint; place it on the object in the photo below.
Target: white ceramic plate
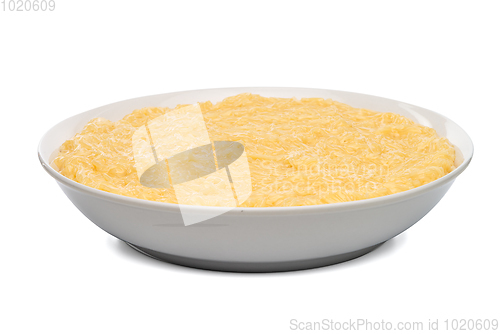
(257, 239)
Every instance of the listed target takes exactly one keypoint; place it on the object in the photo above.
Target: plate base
(253, 267)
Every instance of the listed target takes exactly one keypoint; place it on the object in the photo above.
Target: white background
(62, 274)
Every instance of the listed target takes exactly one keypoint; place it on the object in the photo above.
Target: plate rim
(292, 210)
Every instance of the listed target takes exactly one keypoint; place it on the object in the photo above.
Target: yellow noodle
(300, 152)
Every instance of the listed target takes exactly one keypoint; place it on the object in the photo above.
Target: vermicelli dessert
(306, 151)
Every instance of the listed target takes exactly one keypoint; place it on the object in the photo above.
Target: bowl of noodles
(255, 179)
